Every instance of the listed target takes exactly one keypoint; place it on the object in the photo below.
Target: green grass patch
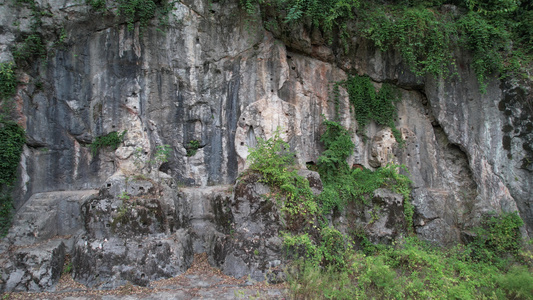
(411, 270)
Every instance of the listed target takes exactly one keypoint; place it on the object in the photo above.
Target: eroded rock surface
(221, 81)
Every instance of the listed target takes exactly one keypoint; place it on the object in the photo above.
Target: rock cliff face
(217, 77)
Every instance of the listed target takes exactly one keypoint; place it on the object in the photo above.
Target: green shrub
(333, 247)
(13, 138)
(192, 147)
(30, 48)
(6, 212)
(301, 246)
(338, 146)
(112, 139)
(410, 270)
(273, 159)
(143, 10)
(517, 283)
(498, 235)
(97, 5)
(162, 154)
(427, 34)
(32, 45)
(423, 37)
(8, 80)
(371, 105)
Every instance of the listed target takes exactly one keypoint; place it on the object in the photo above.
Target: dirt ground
(201, 281)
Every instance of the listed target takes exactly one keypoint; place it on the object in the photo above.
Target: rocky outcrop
(220, 79)
(33, 253)
(32, 268)
(144, 234)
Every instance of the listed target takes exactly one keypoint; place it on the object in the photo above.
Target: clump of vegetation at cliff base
(342, 184)
(494, 265)
(498, 34)
(412, 269)
(112, 140)
(272, 159)
(329, 265)
(12, 137)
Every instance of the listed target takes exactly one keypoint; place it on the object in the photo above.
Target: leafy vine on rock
(13, 138)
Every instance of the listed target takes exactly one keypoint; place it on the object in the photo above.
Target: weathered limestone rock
(207, 212)
(380, 218)
(49, 215)
(44, 229)
(222, 81)
(35, 268)
(385, 217)
(114, 261)
(255, 246)
(131, 236)
(238, 226)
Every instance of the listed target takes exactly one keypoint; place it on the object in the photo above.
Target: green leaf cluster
(498, 235)
(411, 269)
(161, 154)
(8, 80)
(321, 13)
(423, 36)
(32, 45)
(192, 147)
(273, 159)
(369, 104)
(329, 250)
(338, 146)
(427, 33)
(142, 10)
(12, 137)
(342, 184)
(137, 10)
(112, 139)
(6, 213)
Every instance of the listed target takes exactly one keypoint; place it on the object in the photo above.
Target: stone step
(50, 214)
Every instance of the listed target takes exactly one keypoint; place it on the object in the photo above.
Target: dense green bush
(32, 46)
(143, 10)
(192, 147)
(342, 184)
(427, 33)
(12, 138)
(137, 10)
(371, 105)
(411, 270)
(325, 264)
(273, 159)
(498, 235)
(338, 146)
(6, 212)
(8, 80)
(112, 139)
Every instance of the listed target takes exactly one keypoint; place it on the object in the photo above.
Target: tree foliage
(427, 33)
